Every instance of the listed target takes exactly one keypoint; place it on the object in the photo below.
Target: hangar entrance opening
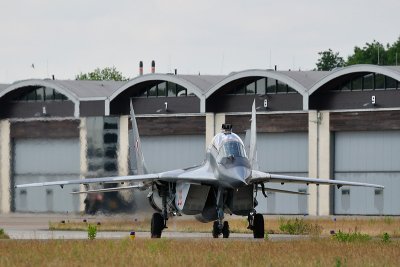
(355, 91)
(45, 160)
(35, 101)
(150, 97)
(367, 157)
(283, 153)
(238, 95)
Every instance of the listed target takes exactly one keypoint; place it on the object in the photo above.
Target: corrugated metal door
(164, 153)
(40, 160)
(283, 153)
(371, 157)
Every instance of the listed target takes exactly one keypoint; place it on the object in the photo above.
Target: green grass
(351, 237)
(92, 231)
(3, 234)
(386, 238)
(200, 252)
(299, 227)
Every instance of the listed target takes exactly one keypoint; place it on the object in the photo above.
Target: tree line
(371, 53)
(105, 74)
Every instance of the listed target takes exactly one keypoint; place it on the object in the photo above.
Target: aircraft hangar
(342, 124)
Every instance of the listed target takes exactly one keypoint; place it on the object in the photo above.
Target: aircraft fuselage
(231, 171)
(228, 192)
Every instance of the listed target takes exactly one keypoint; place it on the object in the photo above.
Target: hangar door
(371, 157)
(283, 153)
(170, 152)
(40, 160)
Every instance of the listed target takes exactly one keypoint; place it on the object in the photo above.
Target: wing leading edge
(263, 177)
(105, 180)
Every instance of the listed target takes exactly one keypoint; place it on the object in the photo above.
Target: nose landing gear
(217, 231)
(220, 226)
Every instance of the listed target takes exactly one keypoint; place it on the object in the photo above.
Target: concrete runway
(35, 226)
(46, 234)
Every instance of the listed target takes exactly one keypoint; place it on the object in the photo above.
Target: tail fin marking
(252, 140)
(137, 160)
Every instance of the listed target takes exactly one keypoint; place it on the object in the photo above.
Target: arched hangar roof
(196, 84)
(301, 81)
(390, 71)
(3, 87)
(75, 91)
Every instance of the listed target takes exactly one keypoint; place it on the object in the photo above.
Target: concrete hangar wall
(343, 124)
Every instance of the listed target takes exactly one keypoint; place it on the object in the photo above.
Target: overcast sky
(66, 37)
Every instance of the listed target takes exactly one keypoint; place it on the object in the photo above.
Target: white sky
(65, 37)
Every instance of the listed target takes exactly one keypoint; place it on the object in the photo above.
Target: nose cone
(235, 176)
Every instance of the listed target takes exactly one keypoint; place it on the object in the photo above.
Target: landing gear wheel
(258, 226)
(216, 231)
(157, 225)
(225, 230)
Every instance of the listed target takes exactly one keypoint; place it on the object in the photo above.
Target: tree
(371, 53)
(108, 74)
(329, 60)
(393, 53)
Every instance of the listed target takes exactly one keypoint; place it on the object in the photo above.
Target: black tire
(258, 226)
(215, 231)
(225, 230)
(157, 225)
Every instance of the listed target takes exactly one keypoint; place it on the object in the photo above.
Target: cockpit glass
(233, 149)
(228, 145)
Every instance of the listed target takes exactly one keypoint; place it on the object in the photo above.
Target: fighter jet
(227, 182)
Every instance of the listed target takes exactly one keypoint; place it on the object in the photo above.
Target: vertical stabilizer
(137, 163)
(251, 139)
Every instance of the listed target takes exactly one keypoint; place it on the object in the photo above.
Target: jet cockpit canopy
(229, 145)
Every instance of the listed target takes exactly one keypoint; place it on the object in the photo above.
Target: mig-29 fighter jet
(226, 182)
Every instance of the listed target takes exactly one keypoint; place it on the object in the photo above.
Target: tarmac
(35, 226)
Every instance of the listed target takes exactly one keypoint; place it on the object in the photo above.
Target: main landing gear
(256, 223)
(157, 225)
(159, 220)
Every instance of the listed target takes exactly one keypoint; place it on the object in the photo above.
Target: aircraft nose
(237, 176)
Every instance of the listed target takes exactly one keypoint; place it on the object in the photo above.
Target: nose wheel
(217, 230)
(219, 226)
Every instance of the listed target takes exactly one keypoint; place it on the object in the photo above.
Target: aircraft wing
(196, 175)
(103, 180)
(263, 177)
